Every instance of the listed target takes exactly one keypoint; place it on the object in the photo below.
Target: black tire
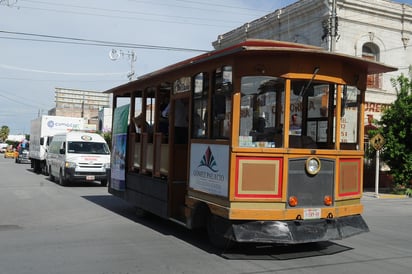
(62, 180)
(216, 230)
(36, 167)
(45, 170)
(103, 182)
(51, 176)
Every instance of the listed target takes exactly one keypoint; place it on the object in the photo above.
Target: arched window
(371, 51)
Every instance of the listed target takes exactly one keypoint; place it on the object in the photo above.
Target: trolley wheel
(62, 180)
(216, 229)
(140, 212)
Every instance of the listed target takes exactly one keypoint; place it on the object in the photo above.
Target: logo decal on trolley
(209, 168)
(208, 160)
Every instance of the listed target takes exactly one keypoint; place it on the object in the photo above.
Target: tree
(396, 127)
(4, 133)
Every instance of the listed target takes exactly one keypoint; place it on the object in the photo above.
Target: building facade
(105, 119)
(374, 29)
(80, 103)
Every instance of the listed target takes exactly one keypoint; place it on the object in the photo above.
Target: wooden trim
(291, 214)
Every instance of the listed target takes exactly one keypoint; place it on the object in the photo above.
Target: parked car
(22, 156)
(3, 147)
(10, 153)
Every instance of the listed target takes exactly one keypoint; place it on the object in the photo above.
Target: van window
(88, 148)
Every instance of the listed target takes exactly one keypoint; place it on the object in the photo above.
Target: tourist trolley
(258, 142)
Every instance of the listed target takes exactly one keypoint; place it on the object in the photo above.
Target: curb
(384, 196)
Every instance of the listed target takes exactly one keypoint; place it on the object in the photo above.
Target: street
(47, 228)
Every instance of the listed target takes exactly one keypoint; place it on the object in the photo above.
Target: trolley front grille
(310, 190)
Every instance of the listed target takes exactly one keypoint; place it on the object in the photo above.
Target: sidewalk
(383, 195)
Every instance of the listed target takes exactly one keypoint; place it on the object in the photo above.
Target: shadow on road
(199, 238)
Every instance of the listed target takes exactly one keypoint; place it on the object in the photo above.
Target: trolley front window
(312, 105)
(350, 114)
(312, 114)
(261, 112)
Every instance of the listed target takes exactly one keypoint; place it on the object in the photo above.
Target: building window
(371, 51)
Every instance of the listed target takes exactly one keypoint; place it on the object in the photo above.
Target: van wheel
(62, 181)
(103, 182)
(50, 175)
(44, 170)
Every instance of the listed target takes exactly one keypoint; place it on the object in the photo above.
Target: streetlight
(114, 54)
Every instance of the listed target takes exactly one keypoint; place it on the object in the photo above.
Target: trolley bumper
(298, 231)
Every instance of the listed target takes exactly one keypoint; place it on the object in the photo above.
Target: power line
(145, 16)
(117, 11)
(220, 5)
(89, 42)
(59, 80)
(61, 73)
(21, 102)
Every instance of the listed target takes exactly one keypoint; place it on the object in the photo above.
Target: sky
(66, 44)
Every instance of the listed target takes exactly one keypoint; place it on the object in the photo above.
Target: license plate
(312, 213)
(90, 178)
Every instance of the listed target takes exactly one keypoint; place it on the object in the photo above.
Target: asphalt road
(46, 228)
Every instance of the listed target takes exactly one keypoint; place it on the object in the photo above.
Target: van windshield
(88, 148)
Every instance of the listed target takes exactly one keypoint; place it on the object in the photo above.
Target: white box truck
(42, 131)
(78, 156)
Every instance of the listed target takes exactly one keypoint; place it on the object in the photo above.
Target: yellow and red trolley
(259, 142)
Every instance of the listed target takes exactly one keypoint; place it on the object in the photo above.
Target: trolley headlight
(312, 165)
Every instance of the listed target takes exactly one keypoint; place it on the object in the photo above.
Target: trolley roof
(371, 67)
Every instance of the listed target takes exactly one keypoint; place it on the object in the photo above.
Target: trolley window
(350, 114)
(261, 113)
(200, 104)
(222, 103)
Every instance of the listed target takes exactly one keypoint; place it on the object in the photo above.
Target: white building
(105, 119)
(80, 103)
(16, 138)
(376, 29)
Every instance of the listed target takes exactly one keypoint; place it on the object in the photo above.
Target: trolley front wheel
(217, 227)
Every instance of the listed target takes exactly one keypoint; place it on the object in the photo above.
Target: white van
(78, 156)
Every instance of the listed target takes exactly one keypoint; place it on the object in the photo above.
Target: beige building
(375, 29)
(80, 103)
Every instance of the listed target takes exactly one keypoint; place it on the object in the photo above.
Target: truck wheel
(36, 166)
(103, 182)
(62, 181)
